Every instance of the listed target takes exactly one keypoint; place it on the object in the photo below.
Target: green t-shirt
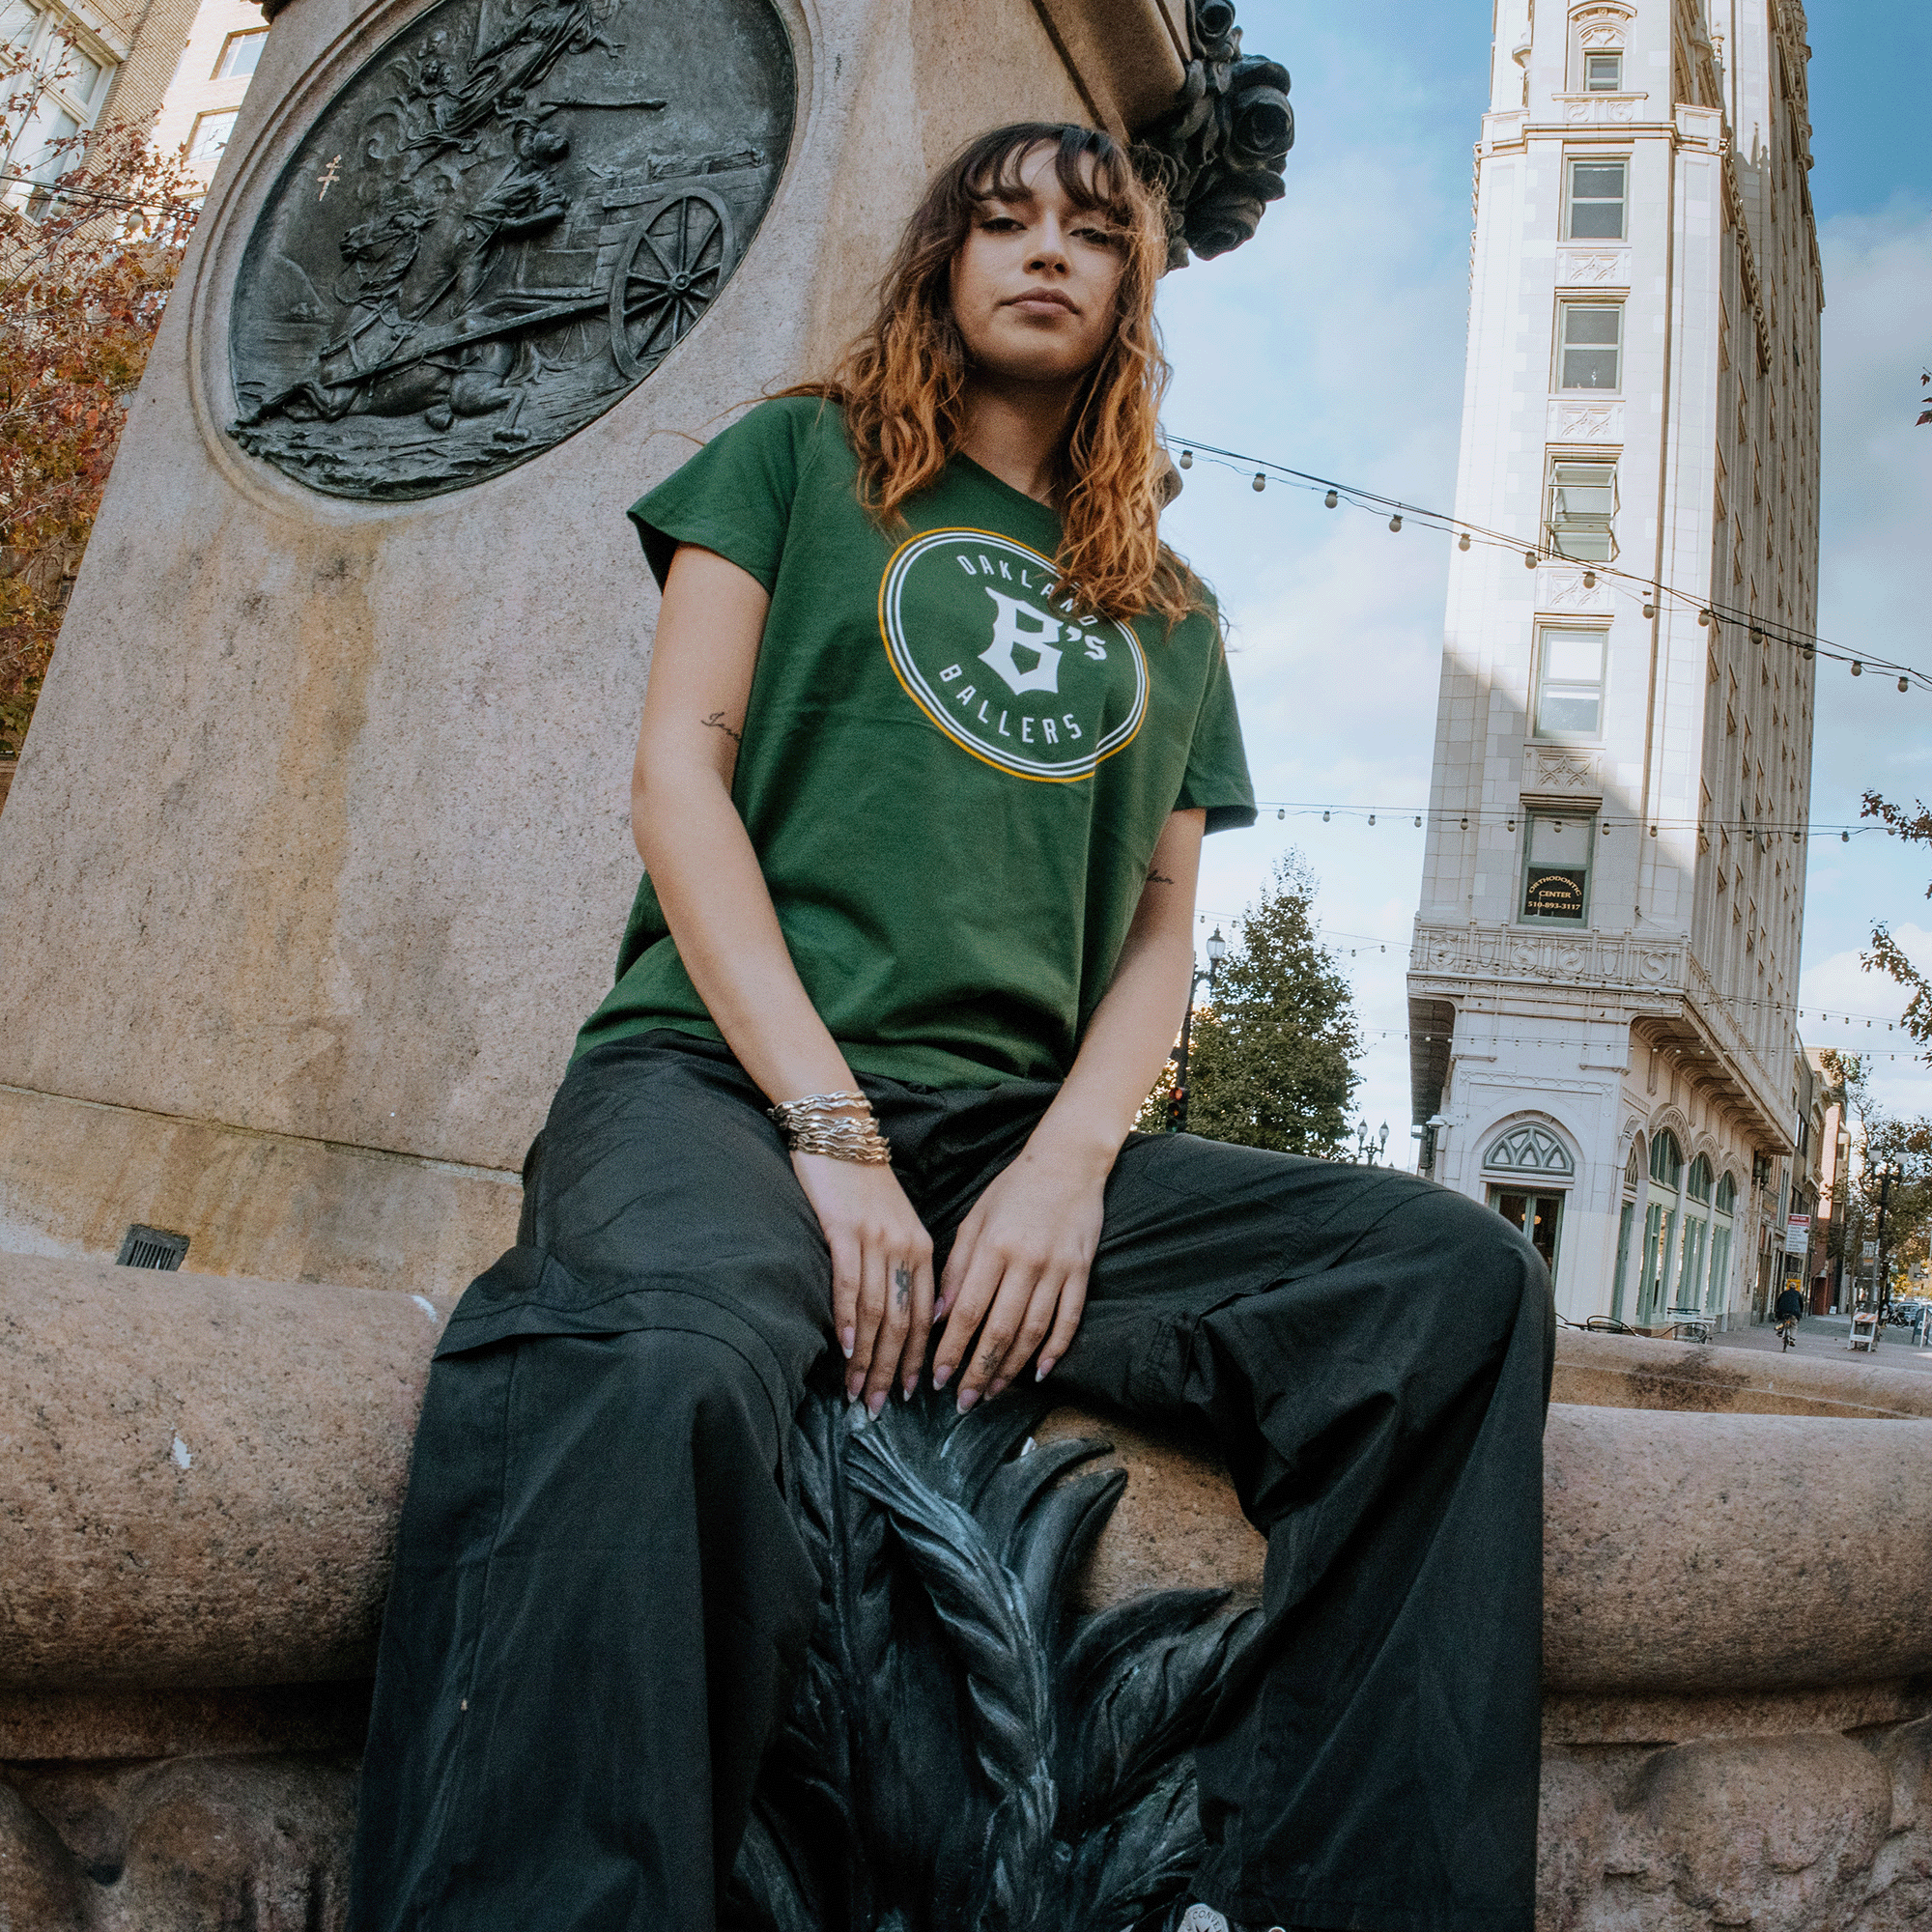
(952, 785)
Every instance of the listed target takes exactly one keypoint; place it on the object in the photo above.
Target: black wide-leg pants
(600, 1599)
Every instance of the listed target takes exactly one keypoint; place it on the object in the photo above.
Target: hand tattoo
(989, 1361)
(902, 1288)
(716, 722)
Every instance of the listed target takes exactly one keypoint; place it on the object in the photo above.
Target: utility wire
(1536, 552)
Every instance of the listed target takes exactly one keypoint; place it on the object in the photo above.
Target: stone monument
(319, 847)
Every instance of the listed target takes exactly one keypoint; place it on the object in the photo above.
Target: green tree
(1882, 1141)
(1272, 1059)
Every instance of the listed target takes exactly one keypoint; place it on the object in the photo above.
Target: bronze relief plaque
(499, 227)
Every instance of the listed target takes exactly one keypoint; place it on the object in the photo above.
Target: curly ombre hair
(902, 384)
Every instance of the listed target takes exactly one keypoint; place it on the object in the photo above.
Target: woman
(934, 728)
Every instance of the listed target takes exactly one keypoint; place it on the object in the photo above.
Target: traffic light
(1177, 1111)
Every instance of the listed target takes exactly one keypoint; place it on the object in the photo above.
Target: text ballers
(1026, 682)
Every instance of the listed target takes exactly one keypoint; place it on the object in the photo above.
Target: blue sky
(1334, 343)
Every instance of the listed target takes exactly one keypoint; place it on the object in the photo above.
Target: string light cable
(1335, 493)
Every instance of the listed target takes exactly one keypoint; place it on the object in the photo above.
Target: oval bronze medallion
(503, 224)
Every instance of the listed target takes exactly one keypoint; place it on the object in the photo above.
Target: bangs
(1093, 172)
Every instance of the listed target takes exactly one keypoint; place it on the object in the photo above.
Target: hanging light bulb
(1261, 482)
(1281, 811)
(1844, 838)
(1463, 542)
(1509, 825)
(1650, 609)
(1331, 500)
(1418, 823)
(1858, 670)
(1371, 818)
(1395, 523)
(1187, 459)
(1324, 818)
(1529, 559)
(1589, 579)
(1465, 825)
(1905, 684)
(1707, 619)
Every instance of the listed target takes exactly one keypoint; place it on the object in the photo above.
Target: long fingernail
(996, 1388)
(848, 1339)
(1045, 1369)
(941, 1376)
(876, 1401)
(854, 1388)
(939, 1312)
(967, 1398)
(907, 1388)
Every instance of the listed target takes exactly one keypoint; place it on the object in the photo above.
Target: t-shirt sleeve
(734, 496)
(1217, 762)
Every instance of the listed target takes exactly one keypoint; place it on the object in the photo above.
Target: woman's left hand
(1016, 1278)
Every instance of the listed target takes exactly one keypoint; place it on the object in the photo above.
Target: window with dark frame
(1599, 198)
(1590, 346)
(1557, 867)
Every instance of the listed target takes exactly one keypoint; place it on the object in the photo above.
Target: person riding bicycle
(1790, 1310)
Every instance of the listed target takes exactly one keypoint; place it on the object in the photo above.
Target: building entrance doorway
(1540, 1217)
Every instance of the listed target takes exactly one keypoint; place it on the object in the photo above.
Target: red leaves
(84, 276)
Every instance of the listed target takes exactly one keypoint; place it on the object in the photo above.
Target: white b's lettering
(950, 674)
(1019, 626)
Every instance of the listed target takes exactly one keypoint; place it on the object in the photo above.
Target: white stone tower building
(1605, 957)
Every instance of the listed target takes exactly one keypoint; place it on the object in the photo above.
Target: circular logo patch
(1020, 680)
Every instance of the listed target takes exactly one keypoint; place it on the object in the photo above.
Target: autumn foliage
(85, 270)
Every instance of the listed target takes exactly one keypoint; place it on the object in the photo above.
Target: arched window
(1699, 1186)
(1727, 1195)
(1527, 1148)
(1717, 1294)
(1667, 1161)
(1528, 1168)
(1626, 1226)
(1693, 1251)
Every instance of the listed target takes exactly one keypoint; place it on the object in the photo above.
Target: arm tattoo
(716, 722)
(1158, 879)
(901, 1287)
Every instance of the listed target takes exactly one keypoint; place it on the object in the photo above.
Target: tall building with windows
(199, 109)
(1606, 955)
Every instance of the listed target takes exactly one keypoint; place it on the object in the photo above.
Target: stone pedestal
(319, 844)
(198, 1487)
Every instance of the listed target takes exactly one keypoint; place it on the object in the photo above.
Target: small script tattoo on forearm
(902, 1289)
(716, 722)
(1158, 879)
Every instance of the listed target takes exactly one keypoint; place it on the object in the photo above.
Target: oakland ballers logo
(1017, 679)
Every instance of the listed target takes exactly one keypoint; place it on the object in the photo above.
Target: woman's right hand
(881, 1272)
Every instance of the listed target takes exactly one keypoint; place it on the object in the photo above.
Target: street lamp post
(1369, 1146)
(1176, 1105)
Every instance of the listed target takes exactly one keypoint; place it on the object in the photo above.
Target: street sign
(1872, 1251)
(1797, 1233)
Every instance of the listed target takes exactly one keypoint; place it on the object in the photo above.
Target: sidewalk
(1824, 1335)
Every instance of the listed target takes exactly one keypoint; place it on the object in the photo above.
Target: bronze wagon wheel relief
(665, 278)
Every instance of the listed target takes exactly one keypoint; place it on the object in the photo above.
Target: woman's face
(1035, 282)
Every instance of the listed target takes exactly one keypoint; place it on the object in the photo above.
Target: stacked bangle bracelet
(839, 1126)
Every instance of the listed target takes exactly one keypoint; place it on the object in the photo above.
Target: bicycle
(1787, 1330)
